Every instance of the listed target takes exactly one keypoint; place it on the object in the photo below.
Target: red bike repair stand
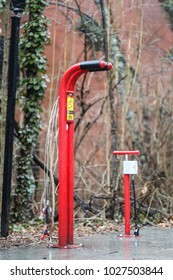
(129, 168)
(66, 149)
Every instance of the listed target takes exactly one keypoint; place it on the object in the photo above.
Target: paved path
(153, 244)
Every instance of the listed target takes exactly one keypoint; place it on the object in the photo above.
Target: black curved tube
(95, 65)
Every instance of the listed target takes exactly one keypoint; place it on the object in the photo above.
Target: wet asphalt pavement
(152, 244)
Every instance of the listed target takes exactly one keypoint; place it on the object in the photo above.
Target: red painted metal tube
(70, 161)
(127, 192)
(71, 183)
(126, 152)
(66, 149)
(73, 79)
(66, 159)
(127, 203)
(63, 157)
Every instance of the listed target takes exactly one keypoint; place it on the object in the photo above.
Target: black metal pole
(136, 232)
(9, 135)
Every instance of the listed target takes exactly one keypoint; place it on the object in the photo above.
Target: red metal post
(70, 132)
(127, 203)
(127, 192)
(63, 203)
(66, 150)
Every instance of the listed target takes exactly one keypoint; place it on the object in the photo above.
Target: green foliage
(32, 89)
(168, 7)
(92, 30)
(2, 4)
(170, 55)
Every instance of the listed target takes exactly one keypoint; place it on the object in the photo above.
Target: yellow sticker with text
(70, 108)
(70, 117)
(70, 103)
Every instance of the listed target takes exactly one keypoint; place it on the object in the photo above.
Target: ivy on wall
(168, 7)
(34, 38)
(2, 4)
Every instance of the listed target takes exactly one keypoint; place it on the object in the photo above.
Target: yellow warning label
(70, 108)
(70, 117)
(70, 103)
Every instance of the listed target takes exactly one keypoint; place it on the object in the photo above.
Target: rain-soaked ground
(153, 244)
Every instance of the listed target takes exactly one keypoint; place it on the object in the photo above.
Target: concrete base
(153, 244)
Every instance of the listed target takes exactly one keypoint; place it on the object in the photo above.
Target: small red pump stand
(66, 149)
(129, 167)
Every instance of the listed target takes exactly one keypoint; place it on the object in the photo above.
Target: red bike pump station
(129, 167)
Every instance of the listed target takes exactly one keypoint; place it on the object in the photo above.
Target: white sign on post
(130, 167)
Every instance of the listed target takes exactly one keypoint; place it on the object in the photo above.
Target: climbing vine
(33, 84)
(168, 7)
(2, 4)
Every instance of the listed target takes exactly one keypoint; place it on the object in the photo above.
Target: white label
(130, 167)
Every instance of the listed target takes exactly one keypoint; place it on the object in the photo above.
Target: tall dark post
(8, 154)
